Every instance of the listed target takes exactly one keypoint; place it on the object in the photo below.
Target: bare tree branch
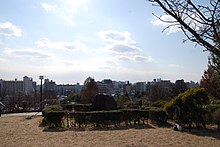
(199, 23)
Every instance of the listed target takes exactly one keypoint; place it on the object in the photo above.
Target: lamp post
(41, 91)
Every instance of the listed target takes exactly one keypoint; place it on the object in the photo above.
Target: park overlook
(139, 73)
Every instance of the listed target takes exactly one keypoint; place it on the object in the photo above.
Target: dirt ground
(19, 131)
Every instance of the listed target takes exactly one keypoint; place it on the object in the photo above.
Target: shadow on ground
(206, 132)
(105, 128)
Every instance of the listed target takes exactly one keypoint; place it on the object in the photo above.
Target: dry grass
(18, 131)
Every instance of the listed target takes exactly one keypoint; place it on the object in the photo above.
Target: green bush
(157, 103)
(216, 116)
(210, 109)
(53, 116)
(157, 114)
(53, 108)
(189, 105)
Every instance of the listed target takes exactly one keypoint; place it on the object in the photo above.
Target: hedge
(115, 117)
(53, 116)
(104, 118)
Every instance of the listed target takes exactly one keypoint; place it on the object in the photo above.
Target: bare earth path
(18, 131)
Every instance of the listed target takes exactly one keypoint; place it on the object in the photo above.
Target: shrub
(53, 108)
(188, 106)
(157, 115)
(53, 115)
(115, 117)
(157, 103)
(216, 116)
(104, 102)
(54, 119)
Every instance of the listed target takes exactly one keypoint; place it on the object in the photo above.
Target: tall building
(12, 87)
(128, 89)
(29, 86)
(9, 88)
(50, 89)
(140, 87)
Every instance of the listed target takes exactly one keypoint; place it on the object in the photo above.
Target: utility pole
(41, 92)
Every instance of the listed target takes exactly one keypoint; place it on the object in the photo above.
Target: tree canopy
(211, 82)
(188, 105)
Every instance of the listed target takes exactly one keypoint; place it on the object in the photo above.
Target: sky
(70, 40)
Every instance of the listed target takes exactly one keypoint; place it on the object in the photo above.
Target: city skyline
(68, 41)
(47, 79)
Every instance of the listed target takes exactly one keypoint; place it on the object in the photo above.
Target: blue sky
(69, 40)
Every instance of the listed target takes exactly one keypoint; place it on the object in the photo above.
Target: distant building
(128, 89)
(29, 87)
(12, 87)
(14, 93)
(140, 87)
(118, 87)
(106, 86)
(192, 84)
(50, 89)
(159, 89)
(65, 90)
(180, 85)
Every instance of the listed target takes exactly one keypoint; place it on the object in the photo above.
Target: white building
(28, 85)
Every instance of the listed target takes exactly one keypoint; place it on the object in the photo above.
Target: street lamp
(41, 91)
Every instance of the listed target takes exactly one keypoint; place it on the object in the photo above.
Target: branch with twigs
(199, 23)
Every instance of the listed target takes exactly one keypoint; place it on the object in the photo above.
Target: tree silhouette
(211, 82)
(200, 23)
(89, 90)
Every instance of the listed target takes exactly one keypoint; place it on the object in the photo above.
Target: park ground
(19, 131)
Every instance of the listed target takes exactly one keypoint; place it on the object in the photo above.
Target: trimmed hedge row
(53, 119)
(104, 118)
(115, 117)
(97, 118)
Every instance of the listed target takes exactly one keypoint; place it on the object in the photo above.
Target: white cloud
(165, 17)
(2, 60)
(7, 29)
(66, 9)
(124, 49)
(30, 53)
(69, 46)
(136, 58)
(174, 66)
(143, 58)
(119, 42)
(67, 63)
(112, 36)
(123, 46)
(47, 7)
(124, 58)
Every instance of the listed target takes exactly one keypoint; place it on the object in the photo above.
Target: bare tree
(199, 22)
